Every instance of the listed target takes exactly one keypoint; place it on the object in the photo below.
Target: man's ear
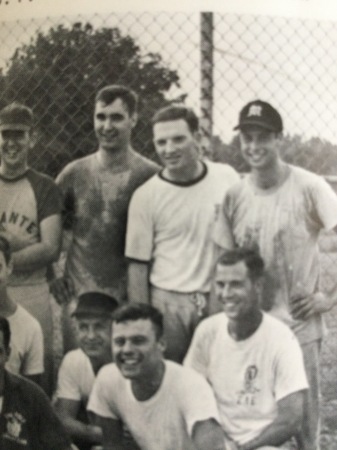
(134, 119)
(162, 344)
(32, 138)
(10, 266)
(8, 351)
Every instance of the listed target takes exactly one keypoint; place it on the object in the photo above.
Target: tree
(58, 74)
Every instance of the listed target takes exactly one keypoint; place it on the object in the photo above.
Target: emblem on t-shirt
(247, 395)
(14, 422)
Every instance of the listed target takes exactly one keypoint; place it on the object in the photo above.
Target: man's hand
(303, 308)
(62, 289)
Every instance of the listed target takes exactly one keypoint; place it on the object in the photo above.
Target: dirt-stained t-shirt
(283, 223)
(96, 201)
(24, 203)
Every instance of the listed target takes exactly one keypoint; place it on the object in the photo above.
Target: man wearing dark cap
(30, 219)
(79, 367)
(280, 210)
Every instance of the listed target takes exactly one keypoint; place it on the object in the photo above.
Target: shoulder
(22, 316)
(183, 380)
(223, 169)
(278, 333)
(40, 179)
(76, 167)
(211, 325)
(141, 164)
(108, 373)
(24, 388)
(75, 358)
(305, 178)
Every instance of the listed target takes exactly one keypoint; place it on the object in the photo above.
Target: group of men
(172, 277)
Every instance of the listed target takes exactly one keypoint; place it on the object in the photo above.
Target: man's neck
(185, 175)
(270, 177)
(114, 159)
(97, 363)
(242, 329)
(7, 306)
(146, 387)
(12, 172)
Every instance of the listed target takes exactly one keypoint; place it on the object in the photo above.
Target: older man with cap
(93, 316)
(30, 219)
(280, 209)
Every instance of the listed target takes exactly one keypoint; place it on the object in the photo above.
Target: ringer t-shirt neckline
(186, 183)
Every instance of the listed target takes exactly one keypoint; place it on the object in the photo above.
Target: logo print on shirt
(247, 396)
(255, 110)
(14, 423)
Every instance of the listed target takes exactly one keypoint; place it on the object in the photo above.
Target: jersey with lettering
(24, 203)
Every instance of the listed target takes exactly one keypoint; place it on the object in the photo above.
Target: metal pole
(206, 82)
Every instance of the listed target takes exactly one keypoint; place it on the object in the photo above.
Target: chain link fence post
(206, 82)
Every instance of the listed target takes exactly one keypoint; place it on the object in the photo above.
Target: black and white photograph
(168, 225)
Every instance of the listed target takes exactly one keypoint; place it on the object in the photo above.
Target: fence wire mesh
(56, 65)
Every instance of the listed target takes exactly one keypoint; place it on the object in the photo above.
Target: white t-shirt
(284, 224)
(26, 357)
(166, 420)
(248, 377)
(76, 377)
(170, 225)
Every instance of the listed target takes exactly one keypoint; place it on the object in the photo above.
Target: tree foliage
(58, 75)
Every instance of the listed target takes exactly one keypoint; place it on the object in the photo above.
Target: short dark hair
(6, 331)
(5, 248)
(176, 112)
(136, 311)
(251, 258)
(110, 93)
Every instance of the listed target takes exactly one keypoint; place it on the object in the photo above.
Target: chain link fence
(56, 65)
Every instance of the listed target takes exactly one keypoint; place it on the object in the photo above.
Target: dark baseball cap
(262, 114)
(96, 304)
(16, 117)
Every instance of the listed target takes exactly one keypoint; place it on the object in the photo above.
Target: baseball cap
(262, 114)
(16, 117)
(95, 303)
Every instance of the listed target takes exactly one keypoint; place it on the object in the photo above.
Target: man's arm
(303, 308)
(138, 281)
(286, 424)
(67, 411)
(208, 434)
(112, 433)
(42, 253)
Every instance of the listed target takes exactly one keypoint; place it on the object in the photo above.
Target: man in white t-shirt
(164, 405)
(79, 367)
(280, 210)
(169, 234)
(252, 360)
(26, 356)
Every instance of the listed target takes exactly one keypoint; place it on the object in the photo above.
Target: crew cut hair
(110, 93)
(136, 311)
(251, 258)
(6, 331)
(176, 112)
(5, 249)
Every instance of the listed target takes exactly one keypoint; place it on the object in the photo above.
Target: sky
(283, 52)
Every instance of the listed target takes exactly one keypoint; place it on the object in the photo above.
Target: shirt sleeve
(325, 201)
(198, 352)
(67, 383)
(51, 433)
(140, 227)
(101, 401)
(222, 230)
(289, 372)
(197, 400)
(33, 363)
(48, 195)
